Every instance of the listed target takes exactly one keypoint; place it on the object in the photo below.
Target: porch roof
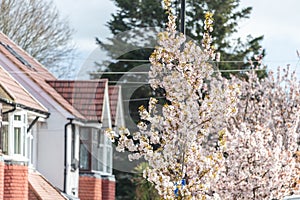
(11, 90)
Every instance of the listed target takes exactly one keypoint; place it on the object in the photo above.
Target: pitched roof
(41, 188)
(113, 92)
(34, 70)
(86, 96)
(13, 91)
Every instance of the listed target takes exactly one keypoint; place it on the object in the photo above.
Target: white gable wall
(50, 155)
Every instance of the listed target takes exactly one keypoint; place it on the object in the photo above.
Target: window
(84, 149)
(105, 149)
(95, 151)
(13, 133)
(17, 117)
(4, 138)
(19, 133)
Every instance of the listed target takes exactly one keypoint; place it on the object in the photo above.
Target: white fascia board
(106, 106)
(93, 125)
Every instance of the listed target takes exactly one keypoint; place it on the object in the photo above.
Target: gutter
(9, 103)
(47, 114)
(11, 110)
(65, 153)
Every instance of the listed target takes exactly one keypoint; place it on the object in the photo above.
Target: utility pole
(182, 17)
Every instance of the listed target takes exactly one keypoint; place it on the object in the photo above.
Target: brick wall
(15, 182)
(90, 188)
(108, 189)
(1, 179)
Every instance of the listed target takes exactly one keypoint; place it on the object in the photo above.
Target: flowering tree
(173, 139)
(261, 142)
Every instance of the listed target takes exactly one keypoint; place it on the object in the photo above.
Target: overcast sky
(278, 21)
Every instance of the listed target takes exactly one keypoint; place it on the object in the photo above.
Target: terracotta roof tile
(34, 70)
(17, 93)
(42, 188)
(86, 96)
(113, 92)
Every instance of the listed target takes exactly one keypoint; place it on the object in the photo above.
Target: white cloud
(276, 20)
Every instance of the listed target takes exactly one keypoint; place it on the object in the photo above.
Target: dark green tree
(138, 15)
(135, 26)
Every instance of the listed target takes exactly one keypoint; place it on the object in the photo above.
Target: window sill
(95, 173)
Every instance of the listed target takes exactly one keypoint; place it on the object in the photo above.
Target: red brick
(90, 188)
(108, 189)
(15, 182)
(1, 180)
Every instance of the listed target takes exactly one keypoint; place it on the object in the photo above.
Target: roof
(41, 188)
(86, 96)
(12, 90)
(113, 92)
(34, 70)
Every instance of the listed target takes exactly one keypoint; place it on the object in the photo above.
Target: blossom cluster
(261, 142)
(173, 139)
(214, 138)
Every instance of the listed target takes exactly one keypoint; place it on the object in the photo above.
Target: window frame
(18, 121)
(15, 139)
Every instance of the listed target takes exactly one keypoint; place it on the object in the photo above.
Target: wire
(223, 61)
(130, 72)
(129, 82)
(142, 99)
(95, 73)
(131, 60)
(128, 60)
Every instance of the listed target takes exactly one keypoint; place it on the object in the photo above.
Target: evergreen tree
(134, 15)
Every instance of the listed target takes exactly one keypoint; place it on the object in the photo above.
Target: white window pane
(4, 139)
(108, 159)
(95, 157)
(84, 133)
(107, 140)
(101, 161)
(17, 117)
(84, 157)
(102, 138)
(17, 140)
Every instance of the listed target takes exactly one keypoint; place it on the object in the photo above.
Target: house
(56, 127)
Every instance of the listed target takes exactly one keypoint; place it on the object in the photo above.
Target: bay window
(14, 135)
(95, 151)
